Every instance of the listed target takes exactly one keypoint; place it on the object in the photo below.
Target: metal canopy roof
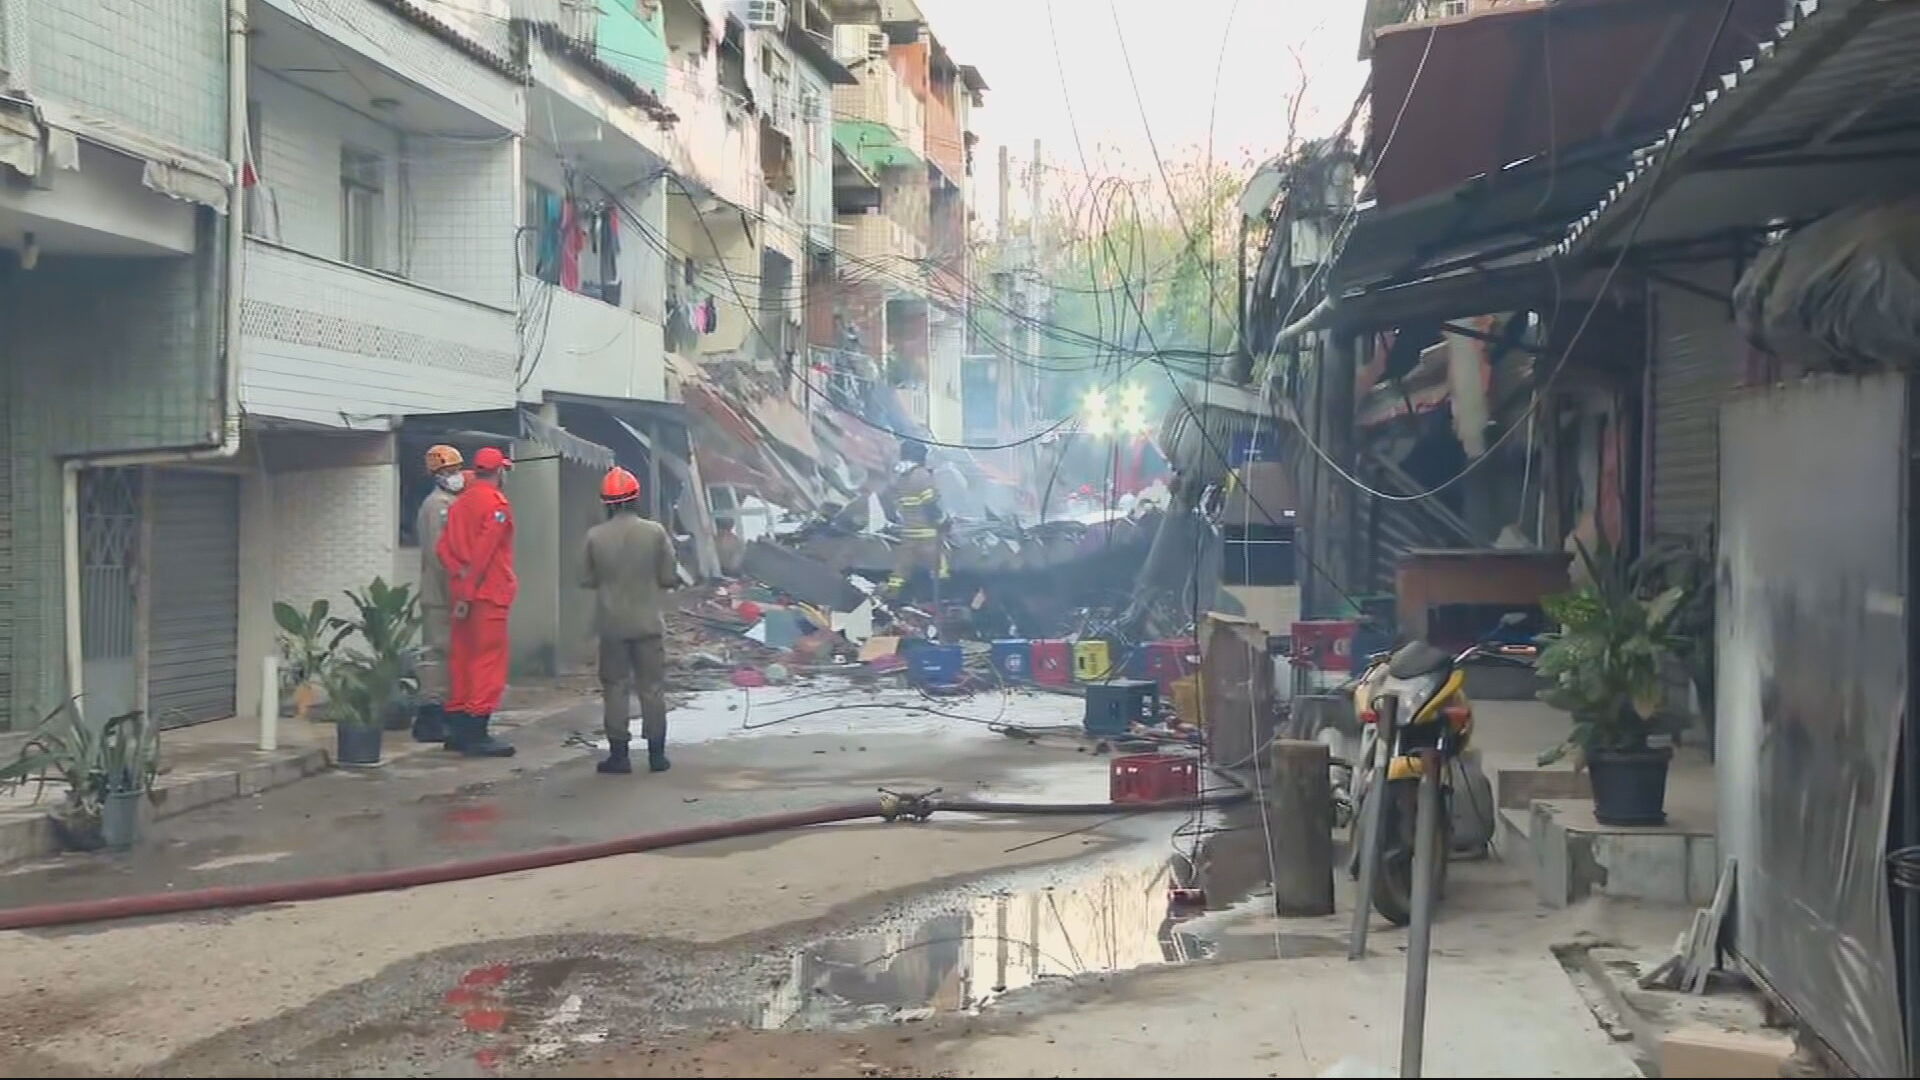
(1826, 115)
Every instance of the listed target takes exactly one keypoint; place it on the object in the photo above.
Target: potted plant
(366, 686)
(307, 644)
(104, 771)
(1604, 667)
(1687, 565)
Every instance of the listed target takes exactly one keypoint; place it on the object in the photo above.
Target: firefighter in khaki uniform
(477, 551)
(436, 630)
(914, 504)
(629, 565)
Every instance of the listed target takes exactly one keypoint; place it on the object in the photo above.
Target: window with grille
(362, 192)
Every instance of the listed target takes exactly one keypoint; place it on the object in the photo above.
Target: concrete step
(1576, 857)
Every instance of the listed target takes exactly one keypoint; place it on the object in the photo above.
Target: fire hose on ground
(890, 807)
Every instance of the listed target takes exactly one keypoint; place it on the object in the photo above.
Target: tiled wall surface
(157, 67)
(337, 345)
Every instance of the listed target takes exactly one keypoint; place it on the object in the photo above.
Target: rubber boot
(617, 759)
(657, 756)
(479, 743)
(457, 726)
(430, 724)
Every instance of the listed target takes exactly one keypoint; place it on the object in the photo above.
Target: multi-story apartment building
(586, 229)
(118, 138)
(902, 166)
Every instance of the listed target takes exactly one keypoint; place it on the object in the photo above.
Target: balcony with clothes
(379, 278)
(593, 298)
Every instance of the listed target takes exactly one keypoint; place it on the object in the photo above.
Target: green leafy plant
(1604, 663)
(363, 683)
(308, 642)
(120, 757)
(1687, 565)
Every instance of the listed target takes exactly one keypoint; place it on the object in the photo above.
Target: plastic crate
(1092, 661)
(1325, 645)
(1168, 661)
(1052, 663)
(1013, 659)
(1187, 701)
(1147, 778)
(1114, 707)
(935, 665)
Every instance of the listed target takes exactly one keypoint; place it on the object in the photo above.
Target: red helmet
(619, 486)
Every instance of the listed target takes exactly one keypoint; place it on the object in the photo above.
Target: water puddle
(1119, 915)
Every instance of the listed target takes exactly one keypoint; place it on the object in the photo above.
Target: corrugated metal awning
(565, 443)
(1819, 117)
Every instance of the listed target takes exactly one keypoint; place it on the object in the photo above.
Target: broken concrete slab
(806, 579)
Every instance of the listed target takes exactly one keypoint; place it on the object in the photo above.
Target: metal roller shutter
(194, 597)
(6, 570)
(1696, 364)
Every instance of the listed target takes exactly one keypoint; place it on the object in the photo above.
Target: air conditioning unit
(876, 44)
(767, 14)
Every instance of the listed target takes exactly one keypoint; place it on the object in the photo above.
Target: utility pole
(1006, 192)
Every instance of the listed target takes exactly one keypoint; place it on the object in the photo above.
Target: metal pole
(1372, 816)
(1426, 852)
(269, 702)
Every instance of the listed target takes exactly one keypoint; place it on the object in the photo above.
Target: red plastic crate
(1324, 644)
(1053, 663)
(1144, 778)
(1166, 662)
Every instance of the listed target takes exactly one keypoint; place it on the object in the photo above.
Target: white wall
(306, 534)
(344, 347)
(464, 206)
(377, 33)
(297, 146)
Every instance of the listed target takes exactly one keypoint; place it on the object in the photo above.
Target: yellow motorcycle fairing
(1407, 766)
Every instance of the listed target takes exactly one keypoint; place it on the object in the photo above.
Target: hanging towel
(546, 259)
(572, 239)
(610, 256)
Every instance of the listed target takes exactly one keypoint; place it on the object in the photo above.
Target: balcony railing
(879, 237)
(336, 344)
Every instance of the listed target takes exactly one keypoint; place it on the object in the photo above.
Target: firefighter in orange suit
(476, 548)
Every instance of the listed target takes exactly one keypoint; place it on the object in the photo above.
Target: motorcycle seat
(1416, 659)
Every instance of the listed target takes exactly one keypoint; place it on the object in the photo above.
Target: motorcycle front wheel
(1393, 882)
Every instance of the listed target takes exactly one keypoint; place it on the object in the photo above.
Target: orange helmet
(443, 457)
(619, 486)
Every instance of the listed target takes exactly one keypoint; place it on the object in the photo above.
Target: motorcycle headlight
(1412, 695)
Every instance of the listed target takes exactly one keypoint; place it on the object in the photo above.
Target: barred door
(109, 609)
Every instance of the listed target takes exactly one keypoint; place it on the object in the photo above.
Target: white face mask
(453, 481)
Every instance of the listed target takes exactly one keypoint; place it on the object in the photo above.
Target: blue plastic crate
(1013, 659)
(935, 665)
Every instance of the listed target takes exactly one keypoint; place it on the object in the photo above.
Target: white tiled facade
(337, 345)
(337, 530)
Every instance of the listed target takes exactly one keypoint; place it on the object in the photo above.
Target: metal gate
(194, 597)
(1696, 364)
(109, 600)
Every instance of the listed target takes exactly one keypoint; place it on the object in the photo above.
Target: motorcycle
(1409, 701)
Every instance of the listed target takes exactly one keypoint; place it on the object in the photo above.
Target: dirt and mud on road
(966, 946)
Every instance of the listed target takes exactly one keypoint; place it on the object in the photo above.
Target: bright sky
(1176, 47)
